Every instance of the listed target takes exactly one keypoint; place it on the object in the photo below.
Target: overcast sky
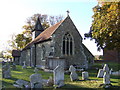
(13, 14)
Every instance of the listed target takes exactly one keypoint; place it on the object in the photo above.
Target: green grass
(92, 83)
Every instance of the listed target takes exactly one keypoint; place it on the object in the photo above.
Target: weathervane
(68, 12)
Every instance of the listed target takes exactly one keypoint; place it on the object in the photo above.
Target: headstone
(50, 81)
(36, 70)
(73, 75)
(106, 68)
(100, 73)
(85, 75)
(36, 81)
(59, 76)
(24, 65)
(21, 84)
(111, 70)
(106, 78)
(14, 66)
(6, 72)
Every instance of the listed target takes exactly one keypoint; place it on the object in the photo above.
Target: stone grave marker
(6, 72)
(24, 65)
(106, 78)
(85, 75)
(100, 73)
(14, 66)
(21, 84)
(106, 68)
(36, 70)
(58, 73)
(73, 75)
(36, 81)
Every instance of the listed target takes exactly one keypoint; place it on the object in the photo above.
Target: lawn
(92, 83)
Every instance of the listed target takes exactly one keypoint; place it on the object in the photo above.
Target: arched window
(67, 48)
(43, 52)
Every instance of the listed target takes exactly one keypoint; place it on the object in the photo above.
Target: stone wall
(43, 50)
(78, 57)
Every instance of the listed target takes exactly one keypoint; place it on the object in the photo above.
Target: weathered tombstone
(73, 75)
(36, 70)
(6, 71)
(21, 84)
(24, 65)
(106, 78)
(50, 81)
(36, 81)
(14, 66)
(59, 76)
(85, 75)
(106, 68)
(111, 70)
(100, 73)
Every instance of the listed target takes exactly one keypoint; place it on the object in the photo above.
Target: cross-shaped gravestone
(24, 65)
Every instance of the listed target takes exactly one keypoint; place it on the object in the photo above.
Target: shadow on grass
(70, 86)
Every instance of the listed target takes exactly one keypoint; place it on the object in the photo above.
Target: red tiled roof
(45, 35)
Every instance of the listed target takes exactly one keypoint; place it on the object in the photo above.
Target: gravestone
(21, 84)
(106, 78)
(106, 68)
(24, 65)
(59, 76)
(85, 75)
(73, 75)
(36, 81)
(36, 70)
(50, 81)
(111, 70)
(14, 66)
(6, 72)
(100, 73)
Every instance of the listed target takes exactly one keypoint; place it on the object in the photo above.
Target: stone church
(60, 44)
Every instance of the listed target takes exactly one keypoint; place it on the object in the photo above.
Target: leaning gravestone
(106, 68)
(85, 75)
(6, 72)
(73, 75)
(106, 78)
(59, 76)
(36, 81)
(100, 73)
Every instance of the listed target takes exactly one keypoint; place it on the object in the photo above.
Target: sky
(13, 15)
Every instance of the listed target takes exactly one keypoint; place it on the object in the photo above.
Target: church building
(60, 44)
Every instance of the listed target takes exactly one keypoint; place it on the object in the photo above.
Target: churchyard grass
(93, 81)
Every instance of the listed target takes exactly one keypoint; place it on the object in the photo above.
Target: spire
(38, 26)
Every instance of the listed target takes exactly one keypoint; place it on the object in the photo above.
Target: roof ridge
(45, 34)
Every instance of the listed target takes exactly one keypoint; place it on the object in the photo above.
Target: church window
(43, 52)
(67, 48)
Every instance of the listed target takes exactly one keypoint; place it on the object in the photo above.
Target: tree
(105, 29)
(1, 54)
(19, 41)
(46, 21)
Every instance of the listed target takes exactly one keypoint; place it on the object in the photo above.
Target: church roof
(45, 35)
